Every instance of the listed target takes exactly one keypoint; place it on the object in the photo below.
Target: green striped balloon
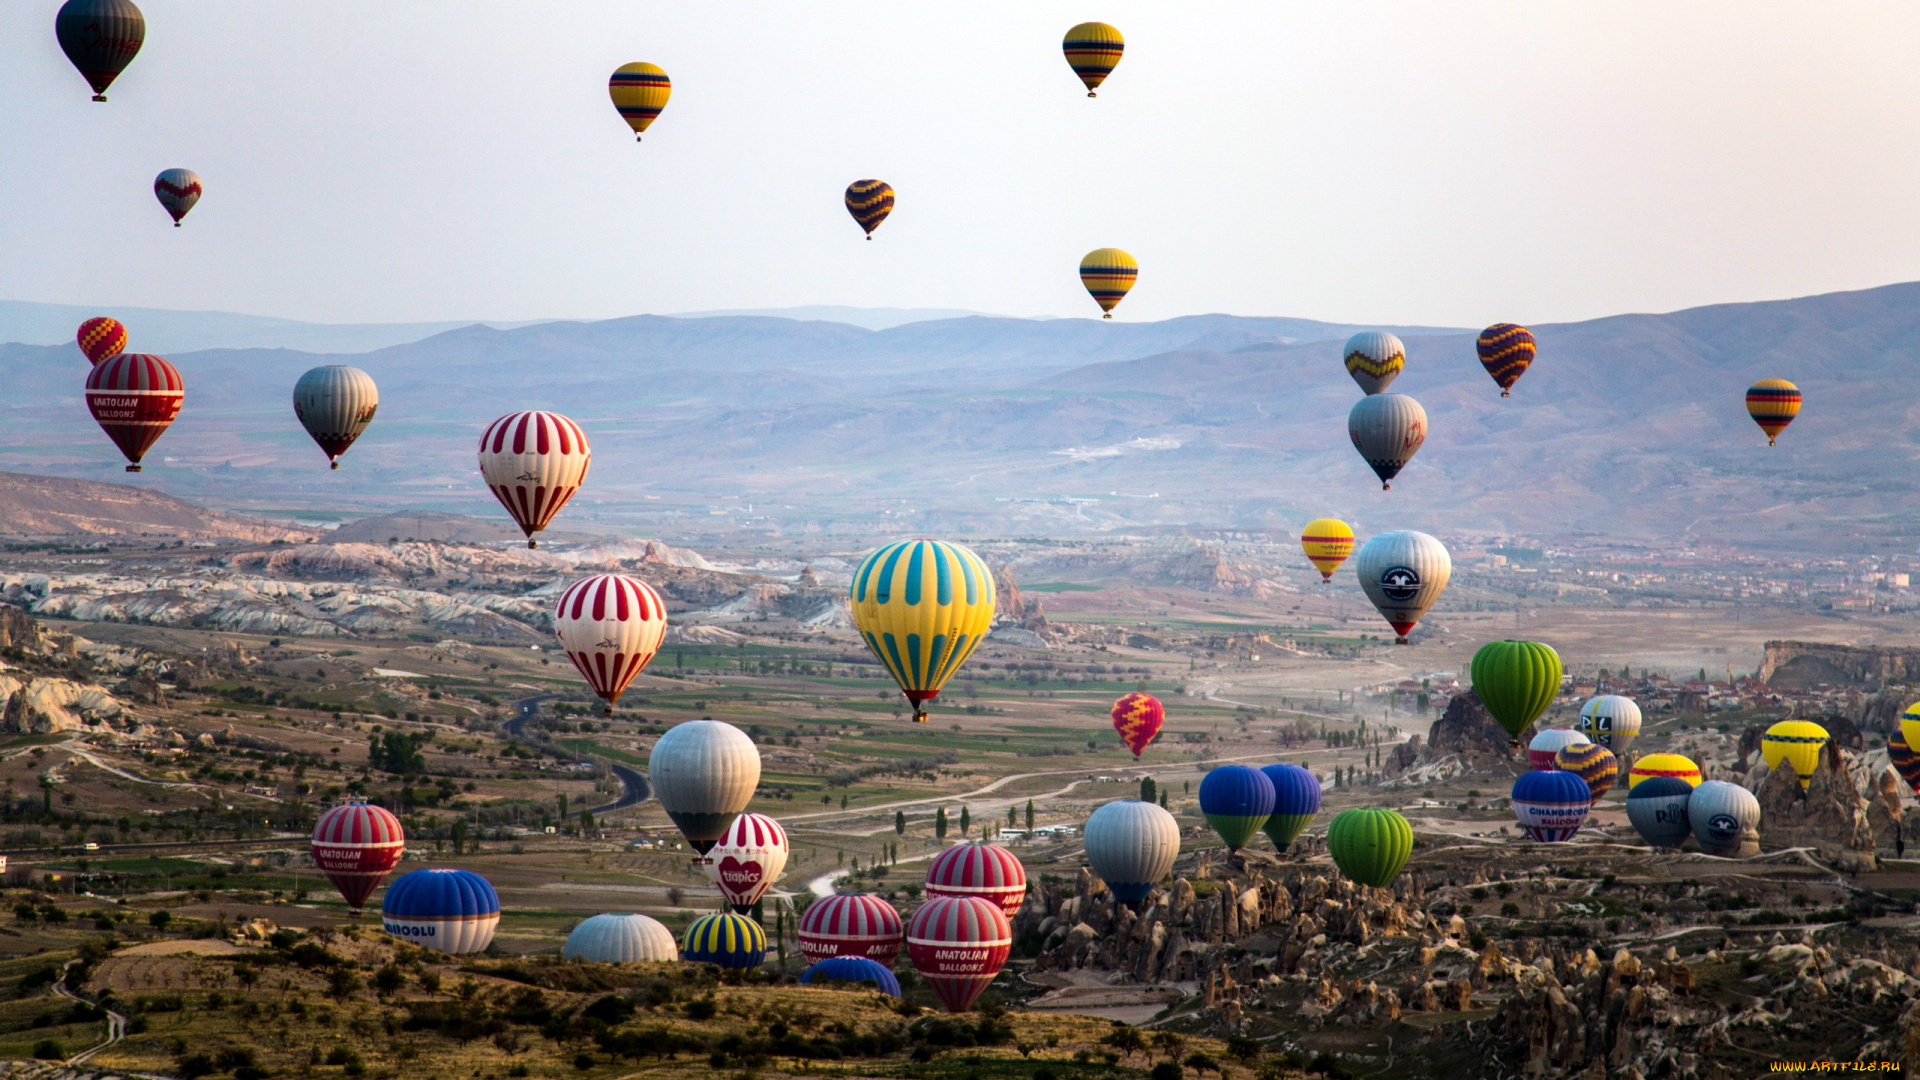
(1370, 844)
(1516, 681)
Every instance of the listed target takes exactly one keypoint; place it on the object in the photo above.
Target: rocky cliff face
(1806, 664)
(1829, 814)
(1465, 739)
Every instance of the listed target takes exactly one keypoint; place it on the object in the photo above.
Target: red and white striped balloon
(958, 944)
(850, 924)
(748, 860)
(986, 870)
(355, 845)
(534, 462)
(610, 625)
(134, 397)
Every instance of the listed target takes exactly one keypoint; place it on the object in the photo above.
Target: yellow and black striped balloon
(1108, 273)
(639, 91)
(1093, 49)
(869, 201)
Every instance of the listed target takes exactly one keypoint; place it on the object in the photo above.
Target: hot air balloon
(850, 924)
(1904, 761)
(100, 37)
(1593, 764)
(1108, 273)
(986, 870)
(703, 774)
(1673, 765)
(1131, 845)
(1797, 742)
(869, 201)
(534, 462)
(958, 944)
(1506, 351)
(1093, 48)
(1138, 717)
(101, 337)
(1516, 681)
(1387, 429)
(1374, 359)
(355, 845)
(1725, 819)
(639, 91)
(177, 190)
(724, 939)
(1403, 573)
(1296, 799)
(748, 860)
(621, 939)
(610, 625)
(1612, 721)
(1548, 742)
(1327, 542)
(1370, 844)
(1773, 403)
(1236, 800)
(134, 397)
(453, 911)
(335, 403)
(923, 606)
(1658, 809)
(1910, 724)
(852, 969)
(1551, 806)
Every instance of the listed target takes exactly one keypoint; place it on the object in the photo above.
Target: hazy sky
(1394, 161)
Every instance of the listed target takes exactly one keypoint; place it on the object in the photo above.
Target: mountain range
(1631, 426)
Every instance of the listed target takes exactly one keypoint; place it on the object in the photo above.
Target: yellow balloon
(639, 91)
(1108, 273)
(1797, 742)
(1910, 722)
(1327, 542)
(1677, 766)
(923, 606)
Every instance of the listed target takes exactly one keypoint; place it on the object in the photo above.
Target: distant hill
(430, 525)
(864, 317)
(162, 331)
(39, 506)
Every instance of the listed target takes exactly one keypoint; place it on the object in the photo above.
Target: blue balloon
(1657, 806)
(1551, 806)
(726, 939)
(454, 911)
(1236, 800)
(854, 969)
(1295, 790)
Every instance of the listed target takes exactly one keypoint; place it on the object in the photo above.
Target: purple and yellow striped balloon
(869, 201)
(1506, 351)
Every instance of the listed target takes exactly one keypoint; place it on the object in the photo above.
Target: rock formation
(1829, 814)
(1806, 664)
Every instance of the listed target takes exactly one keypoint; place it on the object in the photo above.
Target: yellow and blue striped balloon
(1108, 273)
(923, 606)
(726, 939)
(1093, 49)
(639, 91)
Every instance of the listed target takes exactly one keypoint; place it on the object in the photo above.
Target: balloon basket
(99, 97)
(333, 465)
(1504, 393)
(1107, 315)
(919, 717)
(133, 468)
(1401, 641)
(176, 224)
(532, 543)
(1089, 94)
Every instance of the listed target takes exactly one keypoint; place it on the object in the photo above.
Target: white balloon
(534, 462)
(335, 403)
(1725, 818)
(1387, 429)
(1131, 845)
(621, 939)
(1612, 721)
(748, 859)
(1379, 350)
(1403, 573)
(610, 625)
(704, 773)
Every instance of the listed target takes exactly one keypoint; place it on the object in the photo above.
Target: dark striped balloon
(1592, 763)
(869, 201)
(1506, 351)
(134, 397)
(1904, 761)
(101, 37)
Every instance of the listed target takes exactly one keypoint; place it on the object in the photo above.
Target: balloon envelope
(726, 939)
(1773, 403)
(1612, 721)
(639, 91)
(453, 911)
(355, 845)
(1296, 799)
(1506, 351)
(621, 939)
(1370, 844)
(1551, 806)
(1652, 765)
(1374, 359)
(1131, 845)
(177, 190)
(1796, 742)
(101, 337)
(1108, 274)
(1516, 681)
(985, 870)
(1236, 800)
(1327, 542)
(534, 462)
(704, 773)
(1093, 49)
(1548, 742)
(134, 397)
(1387, 429)
(335, 403)
(100, 37)
(748, 860)
(869, 201)
(853, 969)
(850, 924)
(959, 944)
(1725, 819)
(611, 626)
(1658, 810)
(1403, 573)
(922, 607)
(1593, 764)
(1904, 760)
(1138, 718)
